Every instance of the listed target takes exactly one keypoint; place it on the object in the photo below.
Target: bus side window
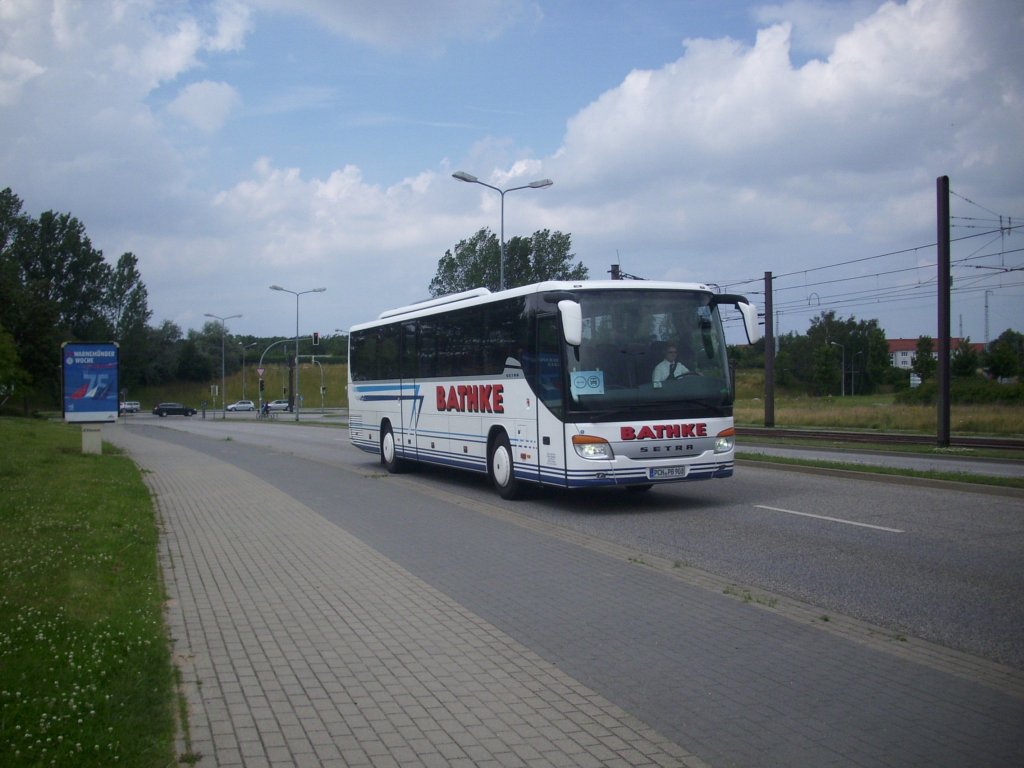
(408, 361)
(361, 355)
(389, 340)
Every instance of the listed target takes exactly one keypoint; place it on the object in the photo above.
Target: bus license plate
(664, 473)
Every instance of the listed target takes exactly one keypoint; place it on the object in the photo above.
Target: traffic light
(316, 339)
(261, 385)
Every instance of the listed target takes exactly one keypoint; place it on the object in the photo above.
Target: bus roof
(478, 296)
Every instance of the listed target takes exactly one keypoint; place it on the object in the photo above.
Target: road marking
(830, 519)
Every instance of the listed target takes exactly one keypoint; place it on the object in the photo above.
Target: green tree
(26, 312)
(857, 349)
(476, 262)
(545, 255)
(965, 361)
(1002, 359)
(193, 363)
(65, 271)
(924, 362)
(12, 376)
(794, 364)
(163, 345)
(126, 303)
(11, 218)
(52, 284)
(473, 262)
(827, 374)
(747, 355)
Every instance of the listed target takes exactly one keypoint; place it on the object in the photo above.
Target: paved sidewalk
(301, 646)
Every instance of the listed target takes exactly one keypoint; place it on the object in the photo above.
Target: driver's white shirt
(661, 371)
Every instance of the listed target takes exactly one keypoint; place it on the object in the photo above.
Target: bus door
(410, 400)
(548, 383)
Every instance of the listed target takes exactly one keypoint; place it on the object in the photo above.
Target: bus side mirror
(572, 321)
(749, 312)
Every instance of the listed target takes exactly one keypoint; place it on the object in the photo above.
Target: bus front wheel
(503, 469)
(388, 450)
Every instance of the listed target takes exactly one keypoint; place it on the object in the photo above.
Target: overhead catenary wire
(970, 278)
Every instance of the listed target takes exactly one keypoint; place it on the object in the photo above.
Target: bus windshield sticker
(586, 383)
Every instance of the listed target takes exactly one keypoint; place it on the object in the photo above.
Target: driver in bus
(670, 368)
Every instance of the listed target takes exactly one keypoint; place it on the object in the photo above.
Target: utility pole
(769, 354)
(942, 221)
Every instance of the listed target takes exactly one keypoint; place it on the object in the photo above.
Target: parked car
(130, 406)
(173, 409)
(278, 405)
(242, 405)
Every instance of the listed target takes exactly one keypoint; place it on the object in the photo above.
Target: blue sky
(235, 144)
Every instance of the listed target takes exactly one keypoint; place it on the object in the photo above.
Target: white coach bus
(562, 384)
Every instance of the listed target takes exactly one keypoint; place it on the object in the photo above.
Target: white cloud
(233, 24)
(76, 130)
(159, 56)
(812, 144)
(14, 73)
(205, 105)
(738, 156)
(816, 24)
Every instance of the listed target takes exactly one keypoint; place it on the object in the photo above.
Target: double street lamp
(296, 294)
(471, 179)
(223, 387)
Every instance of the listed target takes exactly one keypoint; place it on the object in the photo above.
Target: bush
(965, 391)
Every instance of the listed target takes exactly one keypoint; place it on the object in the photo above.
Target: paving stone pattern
(301, 646)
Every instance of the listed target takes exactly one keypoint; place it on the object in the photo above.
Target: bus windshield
(654, 351)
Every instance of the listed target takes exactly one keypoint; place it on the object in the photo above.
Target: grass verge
(85, 670)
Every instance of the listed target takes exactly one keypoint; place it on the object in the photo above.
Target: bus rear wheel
(389, 451)
(503, 469)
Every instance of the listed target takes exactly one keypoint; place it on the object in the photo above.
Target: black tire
(501, 467)
(389, 451)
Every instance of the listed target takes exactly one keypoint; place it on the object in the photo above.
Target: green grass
(85, 672)
(334, 377)
(878, 412)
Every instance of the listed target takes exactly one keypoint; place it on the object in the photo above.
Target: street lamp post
(296, 294)
(223, 387)
(471, 179)
(842, 369)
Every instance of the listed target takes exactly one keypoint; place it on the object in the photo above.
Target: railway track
(882, 438)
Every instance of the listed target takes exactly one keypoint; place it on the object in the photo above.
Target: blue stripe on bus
(551, 476)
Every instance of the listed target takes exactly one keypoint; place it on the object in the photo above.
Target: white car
(278, 405)
(242, 405)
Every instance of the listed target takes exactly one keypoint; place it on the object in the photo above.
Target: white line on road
(830, 519)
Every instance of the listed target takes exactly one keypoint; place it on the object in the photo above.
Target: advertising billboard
(89, 381)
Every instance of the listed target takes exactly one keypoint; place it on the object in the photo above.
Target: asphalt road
(716, 612)
(937, 563)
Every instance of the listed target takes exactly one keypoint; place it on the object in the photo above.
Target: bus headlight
(590, 447)
(725, 441)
